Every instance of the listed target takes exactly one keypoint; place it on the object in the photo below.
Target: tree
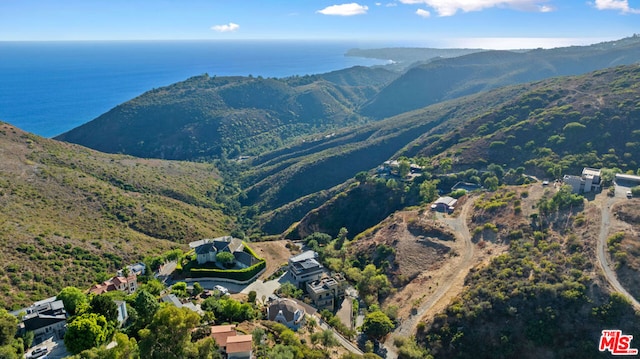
(197, 289)
(325, 338)
(73, 299)
(146, 305)
(404, 167)
(169, 333)
(376, 325)
(251, 297)
(152, 286)
(180, 289)
(226, 259)
(8, 326)
(342, 236)
(362, 177)
(104, 306)
(445, 165)
(85, 331)
(491, 183)
(321, 238)
(126, 348)
(289, 290)
(429, 191)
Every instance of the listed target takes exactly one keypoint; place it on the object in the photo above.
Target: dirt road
(456, 278)
(609, 273)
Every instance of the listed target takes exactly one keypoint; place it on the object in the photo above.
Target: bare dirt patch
(276, 253)
(626, 219)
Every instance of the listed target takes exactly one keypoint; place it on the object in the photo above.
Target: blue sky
(437, 23)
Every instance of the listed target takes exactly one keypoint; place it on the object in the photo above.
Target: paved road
(609, 273)
(408, 325)
(343, 341)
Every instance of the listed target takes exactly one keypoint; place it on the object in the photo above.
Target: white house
(589, 181)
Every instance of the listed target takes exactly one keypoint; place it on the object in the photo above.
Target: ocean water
(48, 88)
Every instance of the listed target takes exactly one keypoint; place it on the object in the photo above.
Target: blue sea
(48, 88)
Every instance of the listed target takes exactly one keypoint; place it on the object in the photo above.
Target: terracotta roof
(239, 344)
(221, 333)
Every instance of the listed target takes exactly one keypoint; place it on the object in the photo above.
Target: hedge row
(235, 274)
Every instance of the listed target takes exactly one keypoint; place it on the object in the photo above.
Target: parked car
(221, 289)
(629, 194)
(39, 352)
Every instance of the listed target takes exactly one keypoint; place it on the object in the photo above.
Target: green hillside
(210, 117)
(549, 127)
(452, 78)
(558, 125)
(72, 216)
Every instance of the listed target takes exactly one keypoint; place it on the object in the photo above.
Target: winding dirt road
(609, 273)
(455, 278)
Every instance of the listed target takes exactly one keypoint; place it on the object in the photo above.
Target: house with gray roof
(305, 267)
(286, 311)
(207, 249)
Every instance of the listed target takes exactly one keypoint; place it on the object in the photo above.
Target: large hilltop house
(304, 268)
(207, 249)
(324, 289)
(127, 284)
(46, 319)
(589, 181)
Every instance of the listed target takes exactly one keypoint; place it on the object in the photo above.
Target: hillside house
(46, 319)
(127, 284)
(207, 249)
(231, 344)
(305, 267)
(589, 181)
(286, 311)
(176, 302)
(444, 204)
(138, 268)
(326, 292)
(123, 315)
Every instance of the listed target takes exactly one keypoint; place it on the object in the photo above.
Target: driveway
(263, 288)
(57, 350)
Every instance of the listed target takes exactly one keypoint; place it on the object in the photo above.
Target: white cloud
(344, 9)
(423, 13)
(378, 3)
(391, 4)
(451, 7)
(230, 27)
(622, 5)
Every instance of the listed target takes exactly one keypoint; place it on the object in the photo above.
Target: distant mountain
(71, 216)
(447, 79)
(206, 117)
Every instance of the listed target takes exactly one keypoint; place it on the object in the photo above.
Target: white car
(221, 289)
(629, 194)
(39, 352)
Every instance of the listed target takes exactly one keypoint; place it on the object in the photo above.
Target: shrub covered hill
(446, 79)
(208, 116)
(72, 216)
(547, 128)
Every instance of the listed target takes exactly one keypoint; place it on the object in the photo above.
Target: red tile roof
(239, 344)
